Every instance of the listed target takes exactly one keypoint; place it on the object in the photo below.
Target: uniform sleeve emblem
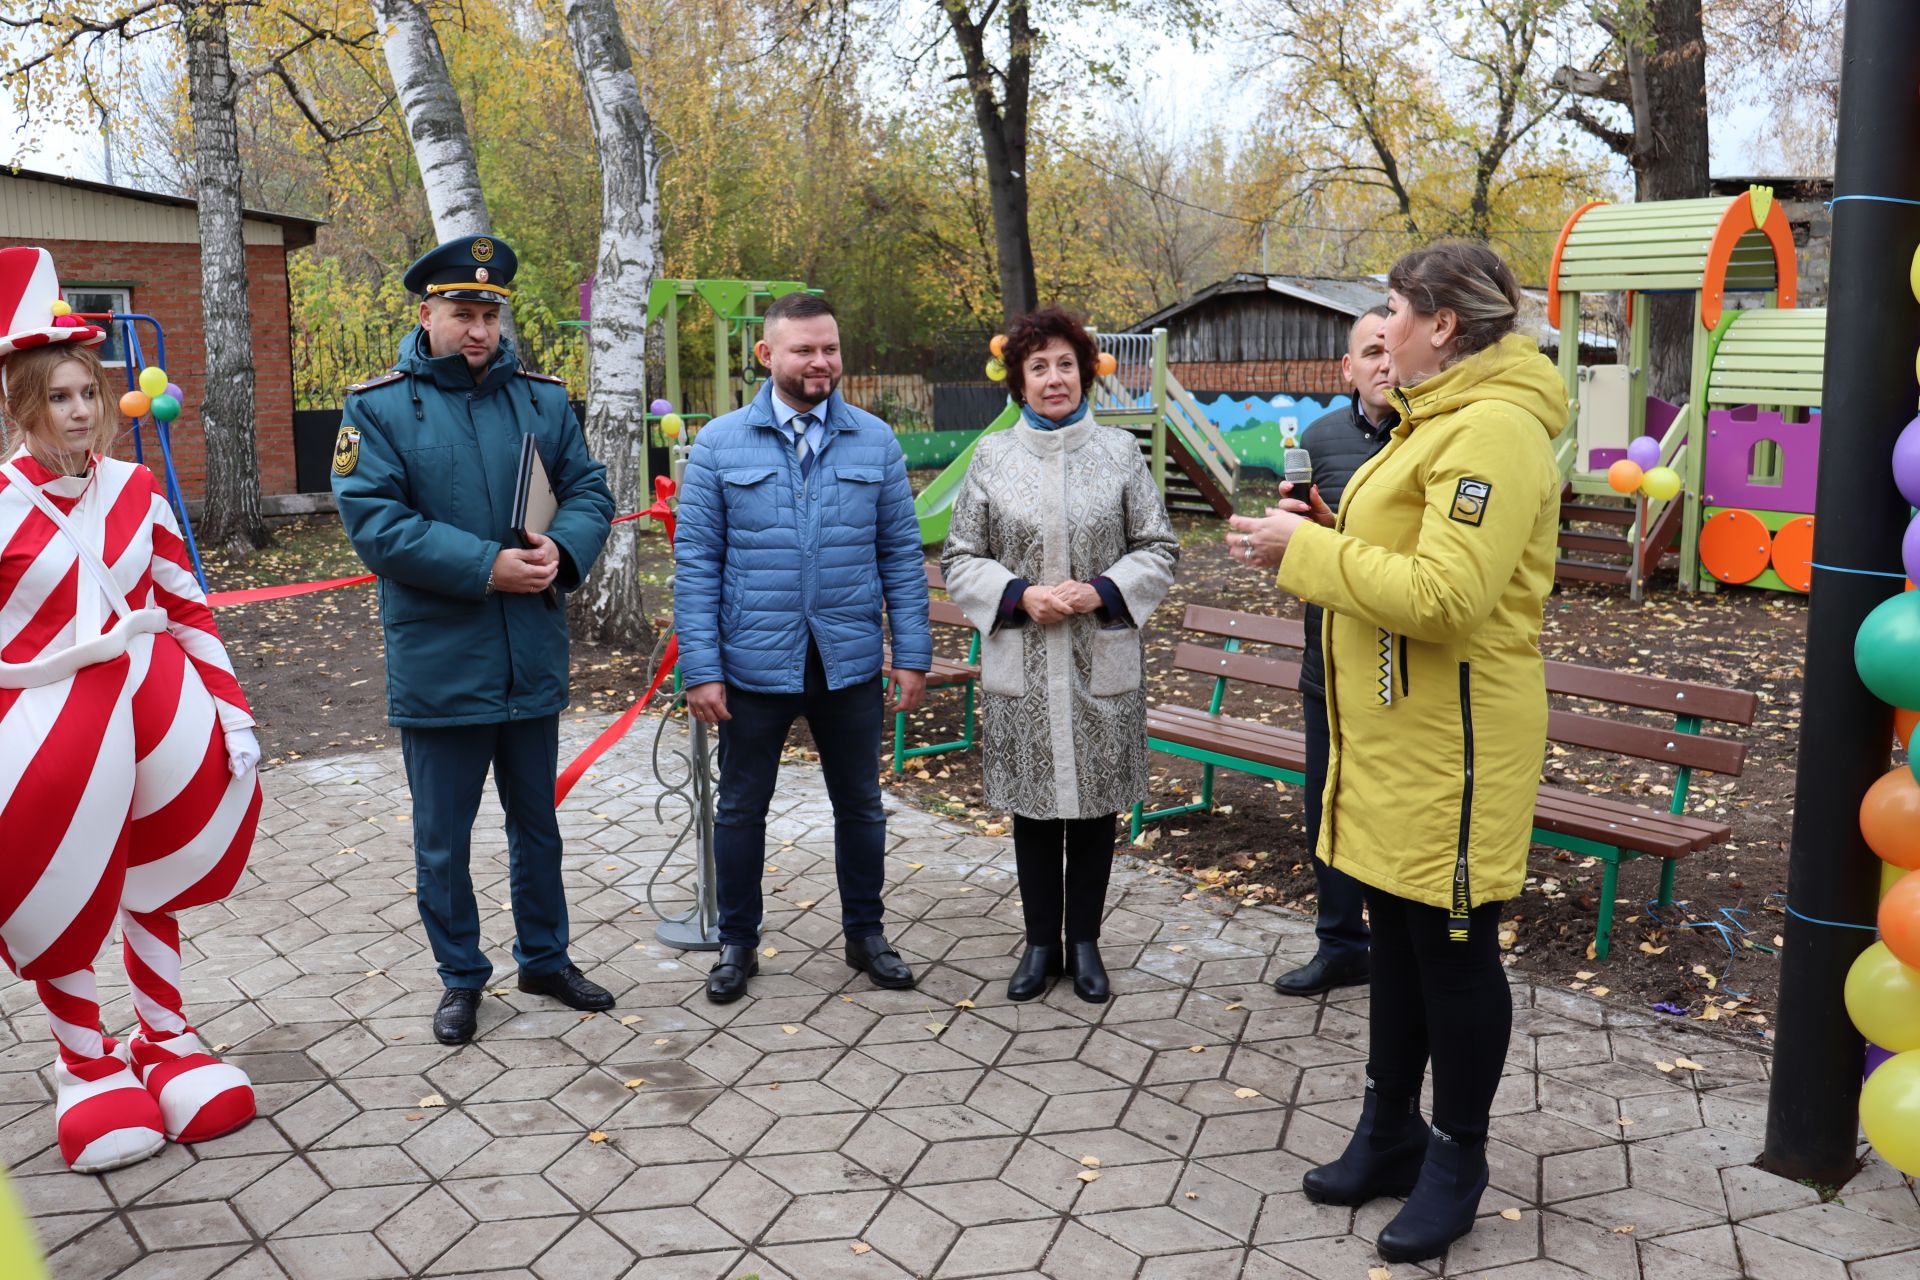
(346, 450)
(1470, 501)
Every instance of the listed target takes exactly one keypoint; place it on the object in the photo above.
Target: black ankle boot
(1443, 1202)
(1383, 1157)
(1089, 974)
(1037, 965)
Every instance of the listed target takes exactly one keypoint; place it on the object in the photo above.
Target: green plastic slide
(934, 506)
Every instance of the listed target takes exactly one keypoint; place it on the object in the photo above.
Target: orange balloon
(1900, 920)
(1625, 476)
(1903, 722)
(1890, 818)
(1104, 364)
(135, 404)
(998, 345)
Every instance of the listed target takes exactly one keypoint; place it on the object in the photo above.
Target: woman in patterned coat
(127, 779)
(1059, 550)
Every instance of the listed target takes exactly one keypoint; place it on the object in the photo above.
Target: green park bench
(946, 673)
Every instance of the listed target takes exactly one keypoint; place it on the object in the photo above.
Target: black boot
(1089, 974)
(1443, 1202)
(1383, 1157)
(1037, 964)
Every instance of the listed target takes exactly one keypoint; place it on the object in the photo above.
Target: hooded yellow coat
(1432, 580)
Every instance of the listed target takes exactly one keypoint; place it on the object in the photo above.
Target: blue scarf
(1039, 423)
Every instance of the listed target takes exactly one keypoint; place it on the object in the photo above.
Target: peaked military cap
(477, 268)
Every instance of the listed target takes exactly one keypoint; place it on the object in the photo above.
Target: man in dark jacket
(424, 472)
(796, 527)
(1340, 442)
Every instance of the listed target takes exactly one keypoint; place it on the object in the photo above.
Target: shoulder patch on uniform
(380, 381)
(1470, 501)
(346, 449)
(542, 377)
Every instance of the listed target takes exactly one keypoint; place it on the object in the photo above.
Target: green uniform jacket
(1433, 579)
(423, 473)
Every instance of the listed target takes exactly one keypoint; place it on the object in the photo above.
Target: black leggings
(1037, 844)
(1433, 996)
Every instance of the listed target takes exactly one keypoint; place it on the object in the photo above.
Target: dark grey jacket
(1340, 442)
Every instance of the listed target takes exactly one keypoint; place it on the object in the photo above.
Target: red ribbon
(257, 594)
(618, 729)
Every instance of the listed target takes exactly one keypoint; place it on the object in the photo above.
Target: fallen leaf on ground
(916, 866)
(1176, 949)
(660, 1041)
(1244, 1094)
(1663, 1067)
(861, 1246)
(596, 1136)
(963, 1004)
(415, 1115)
(635, 1083)
(1649, 949)
(1624, 1231)
(1688, 1064)
(1089, 1175)
(630, 1019)
(1599, 991)
(1585, 975)
(1511, 1215)
(1623, 1122)
(936, 1027)
(433, 1100)
(374, 973)
(1197, 1048)
(769, 952)
(1232, 1007)
(1377, 1273)
(804, 905)
(588, 1017)
(1092, 1162)
(1193, 1195)
(790, 1029)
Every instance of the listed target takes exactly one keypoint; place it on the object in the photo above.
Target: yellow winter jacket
(1432, 580)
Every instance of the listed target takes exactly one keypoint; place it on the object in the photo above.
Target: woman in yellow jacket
(1432, 577)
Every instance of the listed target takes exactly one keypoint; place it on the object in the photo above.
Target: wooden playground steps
(1191, 489)
(1595, 544)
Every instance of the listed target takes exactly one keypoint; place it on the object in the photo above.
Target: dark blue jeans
(846, 725)
(447, 768)
(1340, 928)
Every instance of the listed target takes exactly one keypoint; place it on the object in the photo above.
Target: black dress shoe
(1089, 974)
(1321, 974)
(1441, 1208)
(876, 956)
(570, 987)
(1037, 965)
(454, 1020)
(1383, 1157)
(727, 980)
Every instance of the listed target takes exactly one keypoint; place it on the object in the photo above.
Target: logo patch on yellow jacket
(346, 450)
(1470, 501)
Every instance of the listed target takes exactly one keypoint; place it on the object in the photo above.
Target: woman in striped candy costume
(127, 758)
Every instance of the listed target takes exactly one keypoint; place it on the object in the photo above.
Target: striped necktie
(801, 425)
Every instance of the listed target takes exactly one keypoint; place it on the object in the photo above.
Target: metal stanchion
(686, 776)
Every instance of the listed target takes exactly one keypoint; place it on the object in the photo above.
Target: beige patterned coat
(1064, 732)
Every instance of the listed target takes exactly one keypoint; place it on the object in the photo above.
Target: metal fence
(326, 361)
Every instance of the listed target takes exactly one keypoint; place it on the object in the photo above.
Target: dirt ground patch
(313, 667)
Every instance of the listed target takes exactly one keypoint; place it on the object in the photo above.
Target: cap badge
(480, 274)
(482, 250)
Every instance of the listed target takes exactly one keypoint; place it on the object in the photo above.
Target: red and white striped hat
(28, 290)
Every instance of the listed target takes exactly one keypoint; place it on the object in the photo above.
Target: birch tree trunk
(435, 124)
(616, 338)
(231, 513)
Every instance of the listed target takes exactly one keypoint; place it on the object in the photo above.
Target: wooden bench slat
(935, 578)
(1616, 816)
(1260, 628)
(1652, 693)
(1645, 742)
(947, 613)
(1251, 740)
(1253, 668)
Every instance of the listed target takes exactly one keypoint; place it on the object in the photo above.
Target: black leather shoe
(1441, 1208)
(1321, 974)
(876, 956)
(1383, 1157)
(727, 980)
(1030, 976)
(1089, 974)
(570, 987)
(454, 1020)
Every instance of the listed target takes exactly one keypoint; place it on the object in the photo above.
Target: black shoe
(1321, 974)
(882, 963)
(1089, 974)
(1037, 965)
(454, 1020)
(1443, 1202)
(1383, 1157)
(727, 980)
(570, 987)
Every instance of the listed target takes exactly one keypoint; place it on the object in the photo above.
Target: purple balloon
(659, 408)
(174, 390)
(1906, 463)
(1875, 1056)
(1645, 451)
(1910, 548)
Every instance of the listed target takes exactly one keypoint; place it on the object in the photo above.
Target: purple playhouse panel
(1660, 416)
(1731, 436)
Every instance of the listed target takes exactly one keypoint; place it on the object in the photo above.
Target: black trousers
(1050, 900)
(1338, 924)
(1441, 999)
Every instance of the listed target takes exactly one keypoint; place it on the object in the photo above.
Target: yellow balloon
(61, 308)
(670, 424)
(1883, 999)
(153, 381)
(997, 369)
(1888, 875)
(1890, 1111)
(1661, 483)
(1914, 274)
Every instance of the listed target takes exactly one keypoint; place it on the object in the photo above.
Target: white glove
(243, 751)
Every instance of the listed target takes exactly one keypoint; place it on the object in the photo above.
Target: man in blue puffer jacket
(796, 529)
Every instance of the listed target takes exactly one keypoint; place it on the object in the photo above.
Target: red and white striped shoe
(200, 1096)
(104, 1116)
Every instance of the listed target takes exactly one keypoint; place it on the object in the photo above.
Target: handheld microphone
(1299, 471)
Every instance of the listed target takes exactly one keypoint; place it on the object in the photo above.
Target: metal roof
(298, 232)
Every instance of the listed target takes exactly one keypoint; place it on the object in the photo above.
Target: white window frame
(123, 303)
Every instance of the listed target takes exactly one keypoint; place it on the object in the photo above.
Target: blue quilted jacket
(761, 559)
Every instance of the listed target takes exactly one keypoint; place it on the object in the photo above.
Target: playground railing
(1202, 438)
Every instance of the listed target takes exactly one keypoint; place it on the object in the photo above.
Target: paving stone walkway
(824, 1130)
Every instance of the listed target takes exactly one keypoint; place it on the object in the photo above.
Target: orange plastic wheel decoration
(1734, 545)
(1793, 553)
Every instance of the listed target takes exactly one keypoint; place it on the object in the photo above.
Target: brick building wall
(1290, 377)
(163, 281)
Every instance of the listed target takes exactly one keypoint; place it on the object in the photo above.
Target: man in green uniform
(424, 472)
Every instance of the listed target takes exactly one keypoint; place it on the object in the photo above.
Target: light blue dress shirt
(784, 414)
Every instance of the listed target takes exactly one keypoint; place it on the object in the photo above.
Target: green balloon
(1886, 650)
(165, 408)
